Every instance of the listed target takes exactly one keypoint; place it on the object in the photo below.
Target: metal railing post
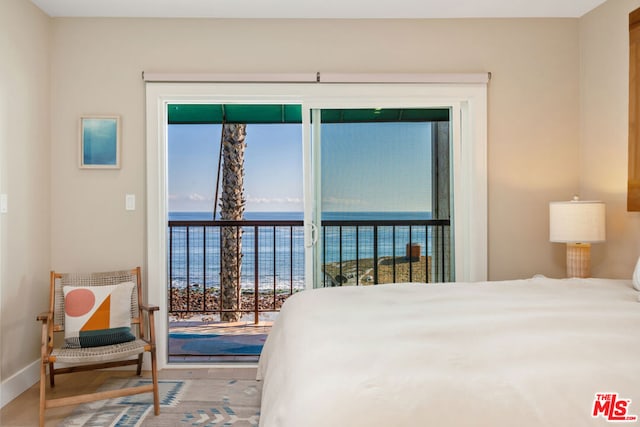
(255, 275)
(274, 267)
(204, 267)
(375, 254)
(357, 256)
(410, 256)
(393, 253)
(170, 268)
(188, 272)
(340, 244)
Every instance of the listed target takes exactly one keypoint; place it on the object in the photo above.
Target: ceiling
(318, 8)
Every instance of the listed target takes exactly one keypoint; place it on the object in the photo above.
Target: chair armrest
(45, 316)
(149, 308)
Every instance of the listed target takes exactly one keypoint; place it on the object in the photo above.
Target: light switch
(4, 208)
(130, 202)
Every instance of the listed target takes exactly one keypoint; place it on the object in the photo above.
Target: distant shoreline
(284, 244)
(182, 306)
(197, 305)
(389, 270)
(353, 272)
(298, 215)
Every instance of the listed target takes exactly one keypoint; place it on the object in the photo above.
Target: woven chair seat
(99, 354)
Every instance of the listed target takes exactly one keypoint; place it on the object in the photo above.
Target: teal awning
(361, 115)
(292, 113)
(234, 113)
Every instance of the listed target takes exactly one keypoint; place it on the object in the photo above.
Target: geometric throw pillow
(97, 315)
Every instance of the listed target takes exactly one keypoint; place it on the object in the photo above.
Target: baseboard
(19, 382)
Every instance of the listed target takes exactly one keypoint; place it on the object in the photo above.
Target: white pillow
(636, 276)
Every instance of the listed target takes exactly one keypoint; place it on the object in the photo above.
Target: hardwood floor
(23, 410)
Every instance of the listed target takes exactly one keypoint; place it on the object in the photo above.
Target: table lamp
(578, 224)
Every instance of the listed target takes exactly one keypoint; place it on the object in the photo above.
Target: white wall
(25, 174)
(604, 118)
(533, 110)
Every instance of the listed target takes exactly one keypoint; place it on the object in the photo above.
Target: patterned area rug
(194, 402)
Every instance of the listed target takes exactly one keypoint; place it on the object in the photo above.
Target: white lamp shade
(576, 222)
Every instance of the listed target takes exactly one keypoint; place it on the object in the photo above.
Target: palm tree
(232, 204)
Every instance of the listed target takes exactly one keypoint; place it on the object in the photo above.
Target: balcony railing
(385, 251)
(272, 253)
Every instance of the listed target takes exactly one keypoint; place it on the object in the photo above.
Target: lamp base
(578, 259)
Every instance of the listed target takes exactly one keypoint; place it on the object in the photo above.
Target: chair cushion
(97, 315)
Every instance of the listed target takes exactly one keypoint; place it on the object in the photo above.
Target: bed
(535, 352)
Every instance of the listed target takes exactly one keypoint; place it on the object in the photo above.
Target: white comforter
(515, 353)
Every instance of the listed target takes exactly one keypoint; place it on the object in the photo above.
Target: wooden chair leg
(154, 377)
(139, 368)
(43, 386)
(52, 381)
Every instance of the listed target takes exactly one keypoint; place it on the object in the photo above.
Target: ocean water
(281, 251)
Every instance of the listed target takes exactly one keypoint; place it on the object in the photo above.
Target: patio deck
(211, 341)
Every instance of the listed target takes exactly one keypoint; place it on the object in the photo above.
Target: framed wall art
(99, 142)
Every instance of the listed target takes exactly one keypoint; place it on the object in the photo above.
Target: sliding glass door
(356, 167)
(383, 195)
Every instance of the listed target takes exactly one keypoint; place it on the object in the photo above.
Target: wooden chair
(96, 357)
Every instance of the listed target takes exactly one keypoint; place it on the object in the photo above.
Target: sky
(376, 167)
(365, 167)
(273, 167)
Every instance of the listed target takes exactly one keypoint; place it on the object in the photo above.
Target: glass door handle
(314, 235)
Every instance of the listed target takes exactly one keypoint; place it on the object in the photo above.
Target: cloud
(193, 197)
(197, 202)
(267, 200)
(341, 201)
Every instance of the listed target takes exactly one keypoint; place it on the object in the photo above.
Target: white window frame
(466, 101)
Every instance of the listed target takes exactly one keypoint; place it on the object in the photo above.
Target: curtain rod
(318, 77)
